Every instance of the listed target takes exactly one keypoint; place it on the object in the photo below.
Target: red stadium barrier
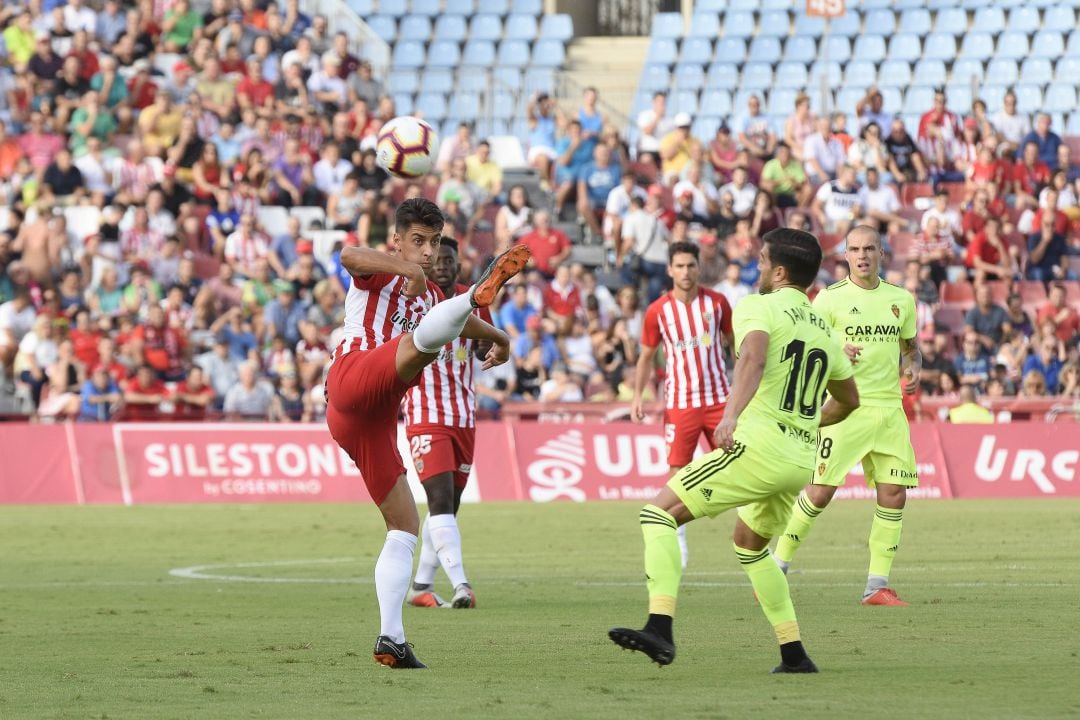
(137, 463)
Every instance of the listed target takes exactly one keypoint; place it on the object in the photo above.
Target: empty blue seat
(557, 27)
(880, 22)
(437, 81)
(830, 70)
(800, 49)
(764, 49)
(451, 27)
(479, 52)
(731, 50)
(696, 50)
(1001, 71)
(403, 103)
(847, 25)
(739, 24)
(1037, 71)
(1068, 69)
(965, 69)
(791, 75)
(661, 52)
(952, 20)
(775, 23)
(929, 72)
(713, 6)
(722, 75)
(513, 53)
(905, 47)
(689, 77)
(667, 25)
(993, 95)
(683, 101)
(777, 4)
(918, 99)
(839, 49)
(813, 26)
(503, 106)
(1072, 47)
(432, 106)
(397, 8)
(704, 25)
(743, 5)
(860, 74)
(427, 8)
(1029, 98)
(989, 20)
(464, 105)
(1060, 98)
(715, 102)
(940, 46)
(869, 47)
(978, 45)
(1012, 44)
(507, 77)
(415, 27)
(960, 98)
(485, 27)
(1048, 44)
(915, 20)
(1024, 19)
(384, 26)
(895, 74)
(404, 81)
(655, 77)
(539, 79)
(460, 7)
(891, 99)
(521, 27)
(757, 76)
(975, 4)
(781, 100)
(848, 97)
(549, 53)
(527, 7)
(363, 8)
(496, 7)
(941, 4)
(408, 54)
(443, 54)
(1059, 18)
(1073, 125)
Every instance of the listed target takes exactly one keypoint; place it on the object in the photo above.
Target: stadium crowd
(179, 185)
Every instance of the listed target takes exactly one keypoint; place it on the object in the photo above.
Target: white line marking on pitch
(198, 572)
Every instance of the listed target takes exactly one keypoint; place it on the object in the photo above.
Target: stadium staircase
(610, 64)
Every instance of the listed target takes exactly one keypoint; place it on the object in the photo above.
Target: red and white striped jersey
(377, 311)
(691, 334)
(446, 393)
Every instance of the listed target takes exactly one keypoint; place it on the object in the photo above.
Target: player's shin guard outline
(663, 561)
(803, 515)
(884, 539)
(771, 586)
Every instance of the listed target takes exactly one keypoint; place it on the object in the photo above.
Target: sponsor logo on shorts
(903, 474)
(821, 469)
(707, 493)
(463, 468)
(419, 465)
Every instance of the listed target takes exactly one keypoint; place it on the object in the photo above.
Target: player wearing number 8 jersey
(693, 324)
(787, 356)
(876, 321)
(439, 420)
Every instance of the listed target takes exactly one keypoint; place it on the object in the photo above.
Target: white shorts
(541, 150)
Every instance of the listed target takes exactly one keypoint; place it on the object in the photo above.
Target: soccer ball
(407, 147)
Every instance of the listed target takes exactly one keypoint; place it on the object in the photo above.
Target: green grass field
(93, 625)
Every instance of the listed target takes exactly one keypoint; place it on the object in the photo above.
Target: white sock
(429, 560)
(684, 551)
(442, 324)
(392, 581)
(447, 540)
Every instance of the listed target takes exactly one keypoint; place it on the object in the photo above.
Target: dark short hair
(796, 251)
(680, 248)
(449, 242)
(418, 211)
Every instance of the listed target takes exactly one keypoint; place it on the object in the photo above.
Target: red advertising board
(1015, 460)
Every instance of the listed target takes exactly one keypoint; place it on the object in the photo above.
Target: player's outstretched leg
(421, 594)
(803, 515)
(663, 570)
(884, 541)
(771, 587)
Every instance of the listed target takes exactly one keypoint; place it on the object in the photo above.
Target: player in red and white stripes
(393, 330)
(441, 426)
(694, 325)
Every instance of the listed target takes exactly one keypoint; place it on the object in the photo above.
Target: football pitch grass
(105, 612)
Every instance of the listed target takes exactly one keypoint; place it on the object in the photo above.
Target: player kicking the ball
(395, 326)
(877, 323)
(787, 356)
(441, 425)
(694, 325)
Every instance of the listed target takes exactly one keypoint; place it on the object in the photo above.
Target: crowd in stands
(179, 184)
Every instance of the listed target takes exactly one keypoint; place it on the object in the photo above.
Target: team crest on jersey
(706, 340)
(821, 469)
(895, 311)
(460, 354)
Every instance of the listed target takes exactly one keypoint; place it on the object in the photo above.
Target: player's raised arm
(361, 262)
(749, 367)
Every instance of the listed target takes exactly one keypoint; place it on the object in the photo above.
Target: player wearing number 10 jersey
(440, 423)
(787, 356)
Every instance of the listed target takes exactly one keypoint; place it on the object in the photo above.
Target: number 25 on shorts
(421, 445)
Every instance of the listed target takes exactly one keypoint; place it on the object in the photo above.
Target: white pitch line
(198, 572)
(832, 584)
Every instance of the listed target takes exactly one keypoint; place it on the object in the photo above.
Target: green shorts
(762, 486)
(876, 436)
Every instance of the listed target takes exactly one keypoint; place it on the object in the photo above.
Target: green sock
(770, 585)
(663, 561)
(884, 539)
(803, 515)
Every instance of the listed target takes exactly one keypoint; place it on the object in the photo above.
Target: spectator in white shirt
(246, 247)
(732, 287)
(822, 154)
(742, 191)
(836, 204)
(950, 226)
(331, 170)
(705, 195)
(327, 89)
(880, 204)
(1011, 125)
(77, 17)
(653, 125)
(618, 205)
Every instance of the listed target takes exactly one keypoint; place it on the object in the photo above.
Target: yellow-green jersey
(804, 355)
(876, 320)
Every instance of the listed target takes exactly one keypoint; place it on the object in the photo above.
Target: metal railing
(363, 41)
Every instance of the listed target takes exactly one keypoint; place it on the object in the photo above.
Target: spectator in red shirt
(975, 217)
(941, 116)
(1063, 315)
(143, 395)
(80, 49)
(160, 346)
(987, 256)
(193, 395)
(106, 352)
(1061, 220)
(141, 89)
(1029, 175)
(985, 169)
(549, 246)
(255, 92)
(84, 339)
(562, 299)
